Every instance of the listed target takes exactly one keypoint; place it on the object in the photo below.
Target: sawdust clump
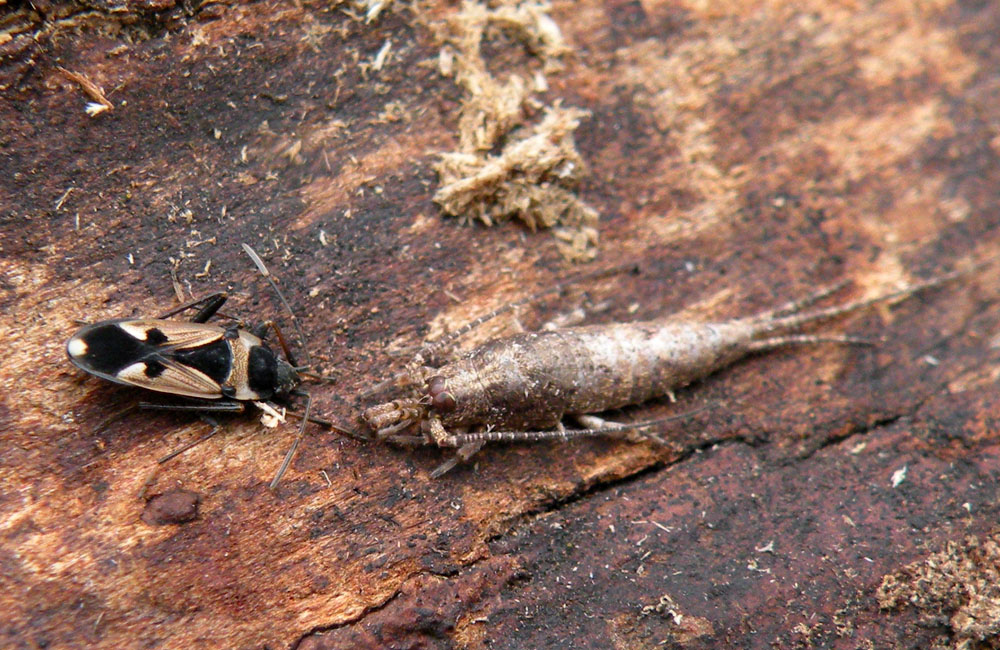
(507, 167)
(959, 585)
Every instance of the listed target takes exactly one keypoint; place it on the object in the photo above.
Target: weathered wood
(743, 153)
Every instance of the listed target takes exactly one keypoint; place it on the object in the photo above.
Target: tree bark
(743, 154)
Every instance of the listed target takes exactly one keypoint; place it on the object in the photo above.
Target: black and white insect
(221, 366)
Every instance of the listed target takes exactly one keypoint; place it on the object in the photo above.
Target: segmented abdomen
(533, 379)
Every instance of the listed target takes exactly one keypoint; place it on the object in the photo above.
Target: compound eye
(441, 400)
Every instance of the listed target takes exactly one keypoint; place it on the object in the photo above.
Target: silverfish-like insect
(521, 387)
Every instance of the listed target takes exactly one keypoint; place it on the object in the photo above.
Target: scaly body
(523, 386)
(533, 380)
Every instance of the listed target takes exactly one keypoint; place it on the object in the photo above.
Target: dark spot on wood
(174, 507)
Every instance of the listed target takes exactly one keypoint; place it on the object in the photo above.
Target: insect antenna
(259, 263)
(209, 304)
(295, 445)
(334, 426)
(460, 439)
(306, 417)
(284, 345)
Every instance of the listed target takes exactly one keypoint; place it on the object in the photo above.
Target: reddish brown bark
(743, 154)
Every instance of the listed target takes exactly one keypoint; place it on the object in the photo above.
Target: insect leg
(464, 453)
(210, 304)
(221, 407)
(386, 419)
(593, 423)
(413, 370)
(114, 417)
(437, 434)
(152, 476)
(461, 439)
(178, 452)
(207, 407)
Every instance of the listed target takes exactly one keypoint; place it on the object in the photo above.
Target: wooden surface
(744, 153)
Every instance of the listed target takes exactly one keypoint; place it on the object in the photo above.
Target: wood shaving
(530, 178)
(373, 8)
(958, 586)
(92, 90)
(269, 417)
(534, 175)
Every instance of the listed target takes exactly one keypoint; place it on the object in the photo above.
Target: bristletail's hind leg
(462, 455)
(596, 426)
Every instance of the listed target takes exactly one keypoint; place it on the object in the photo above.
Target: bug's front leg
(208, 306)
(440, 436)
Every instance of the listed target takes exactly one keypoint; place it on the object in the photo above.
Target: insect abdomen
(177, 358)
(534, 379)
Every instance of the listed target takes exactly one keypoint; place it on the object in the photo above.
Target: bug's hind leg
(462, 455)
(220, 407)
(209, 305)
(194, 443)
(148, 483)
(207, 407)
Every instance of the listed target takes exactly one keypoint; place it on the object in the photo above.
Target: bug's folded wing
(165, 375)
(173, 334)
